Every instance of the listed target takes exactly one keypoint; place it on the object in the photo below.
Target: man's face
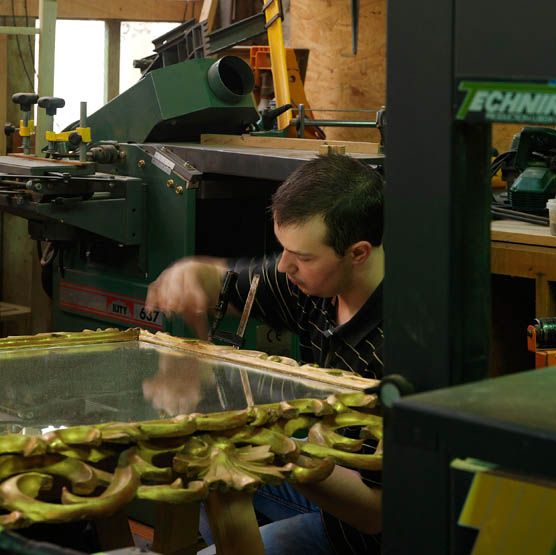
(308, 262)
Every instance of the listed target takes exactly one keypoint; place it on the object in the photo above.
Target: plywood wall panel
(336, 78)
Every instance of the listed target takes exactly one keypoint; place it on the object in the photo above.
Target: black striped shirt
(355, 346)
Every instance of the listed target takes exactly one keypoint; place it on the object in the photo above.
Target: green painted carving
(92, 471)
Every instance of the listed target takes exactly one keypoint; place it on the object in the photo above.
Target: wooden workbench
(526, 251)
(10, 312)
(523, 264)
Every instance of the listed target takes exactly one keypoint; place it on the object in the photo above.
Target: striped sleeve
(276, 301)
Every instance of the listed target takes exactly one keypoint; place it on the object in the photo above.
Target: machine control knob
(9, 129)
(75, 139)
(51, 104)
(25, 100)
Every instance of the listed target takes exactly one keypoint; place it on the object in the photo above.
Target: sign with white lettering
(508, 102)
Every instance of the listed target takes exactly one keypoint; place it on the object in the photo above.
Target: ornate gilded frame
(220, 458)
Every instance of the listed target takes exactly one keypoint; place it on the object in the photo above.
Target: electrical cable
(19, 48)
(519, 216)
(541, 220)
(501, 208)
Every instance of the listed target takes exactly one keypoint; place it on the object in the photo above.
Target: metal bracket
(280, 13)
(169, 162)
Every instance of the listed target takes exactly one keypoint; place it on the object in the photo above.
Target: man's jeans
(296, 527)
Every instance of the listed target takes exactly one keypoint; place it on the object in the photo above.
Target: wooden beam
(18, 31)
(47, 47)
(111, 59)
(175, 528)
(124, 10)
(208, 13)
(3, 93)
(351, 147)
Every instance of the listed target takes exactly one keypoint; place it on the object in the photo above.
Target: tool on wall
(354, 25)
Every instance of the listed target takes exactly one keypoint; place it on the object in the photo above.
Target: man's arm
(190, 288)
(344, 495)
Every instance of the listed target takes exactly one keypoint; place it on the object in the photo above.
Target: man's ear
(360, 251)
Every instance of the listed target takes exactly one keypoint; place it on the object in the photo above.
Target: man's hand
(189, 288)
(177, 388)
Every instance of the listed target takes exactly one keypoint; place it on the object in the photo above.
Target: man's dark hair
(347, 193)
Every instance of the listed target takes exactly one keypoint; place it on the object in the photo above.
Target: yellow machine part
(63, 137)
(278, 59)
(260, 62)
(26, 131)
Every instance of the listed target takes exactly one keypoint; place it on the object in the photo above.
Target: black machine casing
(437, 299)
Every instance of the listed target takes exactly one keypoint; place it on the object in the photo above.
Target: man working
(326, 286)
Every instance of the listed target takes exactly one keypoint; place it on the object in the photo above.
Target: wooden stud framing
(111, 59)
(208, 13)
(138, 10)
(47, 48)
(3, 90)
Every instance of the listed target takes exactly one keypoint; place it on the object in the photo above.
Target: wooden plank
(527, 261)
(287, 143)
(523, 233)
(229, 512)
(113, 532)
(47, 47)
(9, 311)
(111, 59)
(176, 529)
(545, 303)
(138, 10)
(17, 263)
(3, 91)
(208, 13)
(18, 30)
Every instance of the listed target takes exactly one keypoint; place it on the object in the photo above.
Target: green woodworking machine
(162, 171)
(116, 200)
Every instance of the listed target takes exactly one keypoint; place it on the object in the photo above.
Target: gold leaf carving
(91, 471)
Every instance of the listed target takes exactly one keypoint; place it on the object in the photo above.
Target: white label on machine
(163, 163)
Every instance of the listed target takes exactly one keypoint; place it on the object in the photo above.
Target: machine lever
(51, 104)
(25, 100)
(268, 117)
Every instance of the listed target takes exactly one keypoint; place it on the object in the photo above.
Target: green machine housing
(150, 193)
(535, 164)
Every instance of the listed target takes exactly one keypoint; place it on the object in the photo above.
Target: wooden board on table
(511, 231)
(289, 143)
